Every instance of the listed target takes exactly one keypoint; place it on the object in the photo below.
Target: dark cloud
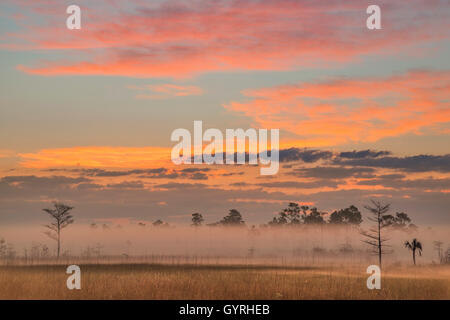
(27, 187)
(126, 185)
(194, 173)
(229, 174)
(108, 173)
(393, 176)
(239, 184)
(332, 172)
(175, 185)
(363, 154)
(420, 163)
(314, 155)
(305, 155)
(162, 175)
(157, 173)
(198, 176)
(89, 186)
(40, 182)
(102, 173)
(193, 170)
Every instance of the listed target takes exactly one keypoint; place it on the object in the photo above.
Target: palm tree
(413, 246)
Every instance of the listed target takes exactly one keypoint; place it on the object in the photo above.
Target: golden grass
(154, 281)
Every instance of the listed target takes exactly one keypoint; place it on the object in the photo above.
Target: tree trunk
(414, 256)
(59, 242)
(379, 239)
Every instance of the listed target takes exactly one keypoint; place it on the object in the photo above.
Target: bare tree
(447, 256)
(414, 246)
(3, 248)
(61, 218)
(6, 250)
(438, 248)
(374, 237)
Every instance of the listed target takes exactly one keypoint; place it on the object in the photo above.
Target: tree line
(294, 214)
(297, 214)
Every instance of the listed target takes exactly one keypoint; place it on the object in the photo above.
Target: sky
(86, 115)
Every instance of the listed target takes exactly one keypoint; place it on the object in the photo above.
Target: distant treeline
(297, 214)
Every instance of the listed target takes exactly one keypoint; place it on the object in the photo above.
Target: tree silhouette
(447, 256)
(313, 217)
(6, 250)
(289, 215)
(160, 223)
(350, 215)
(400, 221)
(197, 219)
(234, 218)
(438, 248)
(414, 246)
(3, 248)
(374, 238)
(61, 218)
(296, 215)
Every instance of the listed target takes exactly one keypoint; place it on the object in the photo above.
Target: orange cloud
(177, 40)
(97, 157)
(342, 111)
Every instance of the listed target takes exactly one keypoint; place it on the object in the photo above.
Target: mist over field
(300, 244)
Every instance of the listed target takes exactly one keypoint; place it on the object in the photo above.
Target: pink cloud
(342, 111)
(178, 40)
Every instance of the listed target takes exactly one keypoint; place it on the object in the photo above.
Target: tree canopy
(350, 215)
(234, 218)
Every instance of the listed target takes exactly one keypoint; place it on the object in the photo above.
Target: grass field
(156, 281)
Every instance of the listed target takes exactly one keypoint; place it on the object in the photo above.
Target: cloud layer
(416, 184)
(349, 110)
(175, 39)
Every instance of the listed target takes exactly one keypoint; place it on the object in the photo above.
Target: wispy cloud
(6, 153)
(170, 38)
(349, 110)
(165, 91)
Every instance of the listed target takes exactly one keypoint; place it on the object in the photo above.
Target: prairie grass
(165, 281)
